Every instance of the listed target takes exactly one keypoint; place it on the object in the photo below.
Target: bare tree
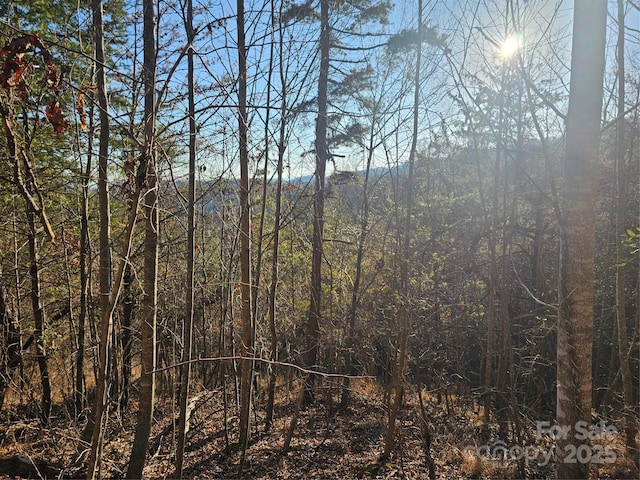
(246, 288)
(404, 315)
(277, 225)
(148, 172)
(191, 226)
(95, 425)
(85, 269)
(312, 331)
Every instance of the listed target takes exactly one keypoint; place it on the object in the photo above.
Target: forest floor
(327, 443)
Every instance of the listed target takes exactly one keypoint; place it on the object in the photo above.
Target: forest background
(294, 210)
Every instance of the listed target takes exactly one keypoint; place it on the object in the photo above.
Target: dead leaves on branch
(135, 169)
(16, 65)
(55, 117)
(20, 57)
(81, 106)
(129, 185)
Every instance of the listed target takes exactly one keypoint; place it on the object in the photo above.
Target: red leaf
(12, 75)
(56, 117)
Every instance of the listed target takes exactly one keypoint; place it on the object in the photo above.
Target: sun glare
(509, 47)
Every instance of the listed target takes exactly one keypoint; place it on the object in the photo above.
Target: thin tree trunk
(149, 173)
(92, 429)
(273, 336)
(355, 294)
(73, 333)
(85, 265)
(575, 312)
(293, 422)
(190, 247)
(38, 314)
(11, 343)
(495, 317)
(631, 428)
(404, 314)
(246, 370)
(127, 317)
(96, 424)
(148, 331)
(312, 331)
(25, 181)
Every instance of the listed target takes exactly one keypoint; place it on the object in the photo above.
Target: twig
(536, 299)
(263, 360)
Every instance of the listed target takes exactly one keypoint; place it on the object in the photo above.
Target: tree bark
(575, 312)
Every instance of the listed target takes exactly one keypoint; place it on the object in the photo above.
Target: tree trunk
(85, 266)
(190, 247)
(127, 318)
(24, 179)
(404, 315)
(11, 343)
(95, 425)
(246, 370)
(276, 238)
(38, 314)
(631, 427)
(312, 331)
(355, 294)
(73, 331)
(148, 173)
(575, 312)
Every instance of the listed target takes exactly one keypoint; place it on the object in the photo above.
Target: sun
(509, 47)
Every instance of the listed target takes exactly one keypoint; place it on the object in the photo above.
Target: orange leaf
(80, 108)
